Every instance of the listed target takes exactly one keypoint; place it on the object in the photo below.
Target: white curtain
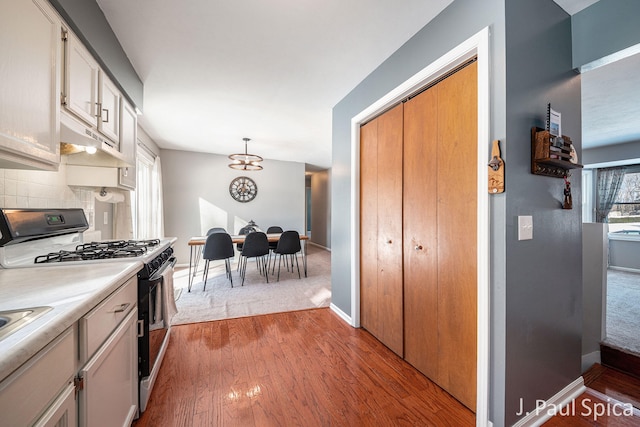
(149, 203)
(157, 226)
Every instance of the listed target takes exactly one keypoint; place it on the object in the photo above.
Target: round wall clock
(243, 189)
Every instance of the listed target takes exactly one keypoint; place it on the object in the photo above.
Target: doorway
(475, 46)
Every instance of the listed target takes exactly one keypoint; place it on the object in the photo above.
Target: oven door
(153, 328)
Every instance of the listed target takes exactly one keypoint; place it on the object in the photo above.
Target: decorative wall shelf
(550, 155)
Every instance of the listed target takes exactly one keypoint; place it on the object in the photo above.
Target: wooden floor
(611, 399)
(304, 368)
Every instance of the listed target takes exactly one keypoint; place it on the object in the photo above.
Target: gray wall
(606, 27)
(461, 20)
(594, 273)
(321, 208)
(196, 196)
(536, 312)
(624, 252)
(627, 153)
(89, 23)
(544, 275)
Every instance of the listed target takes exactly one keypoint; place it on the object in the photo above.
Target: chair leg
(228, 268)
(266, 270)
(279, 263)
(243, 270)
(205, 274)
(297, 265)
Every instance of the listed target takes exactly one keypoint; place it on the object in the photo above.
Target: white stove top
(23, 255)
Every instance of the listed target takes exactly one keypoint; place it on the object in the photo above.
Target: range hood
(75, 137)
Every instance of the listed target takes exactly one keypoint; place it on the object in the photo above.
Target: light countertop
(71, 291)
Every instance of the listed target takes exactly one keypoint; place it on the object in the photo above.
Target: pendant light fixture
(246, 161)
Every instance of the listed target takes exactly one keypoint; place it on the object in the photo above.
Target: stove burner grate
(100, 250)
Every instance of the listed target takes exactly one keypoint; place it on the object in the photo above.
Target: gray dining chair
(256, 245)
(218, 246)
(216, 230)
(272, 245)
(288, 245)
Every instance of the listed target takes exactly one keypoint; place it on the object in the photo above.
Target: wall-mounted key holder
(496, 170)
(551, 155)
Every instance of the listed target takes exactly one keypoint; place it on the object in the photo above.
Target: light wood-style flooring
(302, 368)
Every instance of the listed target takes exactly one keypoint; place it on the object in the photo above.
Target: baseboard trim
(627, 269)
(544, 412)
(344, 316)
(319, 246)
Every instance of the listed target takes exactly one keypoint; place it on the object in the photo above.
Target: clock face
(243, 189)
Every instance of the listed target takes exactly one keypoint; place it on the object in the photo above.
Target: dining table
(196, 246)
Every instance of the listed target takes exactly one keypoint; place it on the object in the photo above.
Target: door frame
(475, 46)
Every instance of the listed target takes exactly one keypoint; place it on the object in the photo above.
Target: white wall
(43, 189)
(196, 196)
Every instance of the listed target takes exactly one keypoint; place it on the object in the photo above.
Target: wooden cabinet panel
(390, 134)
(457, 234)
(369, 227)
(381, 228)
(420, 232)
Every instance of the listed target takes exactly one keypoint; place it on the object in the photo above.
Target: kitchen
(82, 339)
(68, 179)
(521, 345)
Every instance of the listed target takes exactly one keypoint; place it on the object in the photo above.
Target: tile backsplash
(41, 189)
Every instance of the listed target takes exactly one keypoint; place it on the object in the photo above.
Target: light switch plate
(525, 227)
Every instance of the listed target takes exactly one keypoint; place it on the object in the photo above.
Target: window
(147, 210)
(624, 217)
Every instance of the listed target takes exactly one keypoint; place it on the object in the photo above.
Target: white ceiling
(217, 71)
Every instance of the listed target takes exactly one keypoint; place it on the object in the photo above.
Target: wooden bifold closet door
(437, 212)
(381, 228)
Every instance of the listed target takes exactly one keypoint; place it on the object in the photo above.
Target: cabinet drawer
(99, 323)
(28, 391)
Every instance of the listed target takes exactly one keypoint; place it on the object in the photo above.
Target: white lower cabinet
(38, 392)
(63, 412)
(108, 374)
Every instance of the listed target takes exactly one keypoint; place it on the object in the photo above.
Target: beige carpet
(623, 310)
(220, 301)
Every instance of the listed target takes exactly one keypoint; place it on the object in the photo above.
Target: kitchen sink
(13, 320)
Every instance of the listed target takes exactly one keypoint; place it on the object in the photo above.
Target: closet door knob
(418, 247)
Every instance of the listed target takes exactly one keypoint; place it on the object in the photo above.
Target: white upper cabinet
(88, 92)
(29, 85)
(109, 114)
(81, 91)
(128, 142)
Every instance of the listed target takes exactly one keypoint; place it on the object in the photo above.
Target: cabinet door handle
(98, 109)
(389, 241)
(418, 247)
(105, 121)
(122, 307)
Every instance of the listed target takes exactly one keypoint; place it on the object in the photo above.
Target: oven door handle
(168, 264)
